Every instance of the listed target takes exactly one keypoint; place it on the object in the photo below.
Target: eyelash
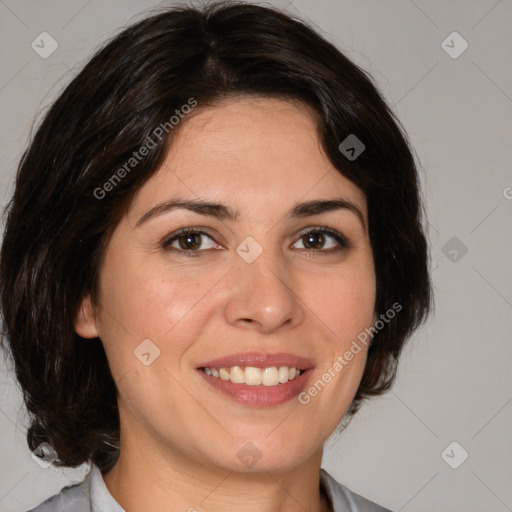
(344, 242)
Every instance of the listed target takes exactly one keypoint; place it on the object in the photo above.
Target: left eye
(322, 239)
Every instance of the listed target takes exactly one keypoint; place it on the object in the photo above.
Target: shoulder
(344, 499)
(74, 498)
(91, 495)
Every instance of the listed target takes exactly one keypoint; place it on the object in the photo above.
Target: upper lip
(259, 360)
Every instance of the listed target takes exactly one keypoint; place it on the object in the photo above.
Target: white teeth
(237, 375)
(270, 376)
(283, 374)
(252, 376)
(224, 374)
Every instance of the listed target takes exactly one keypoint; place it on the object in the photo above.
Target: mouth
(254, 376)
(258, 379)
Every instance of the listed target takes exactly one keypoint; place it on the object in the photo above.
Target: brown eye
(189, 241)
(195, 241)
(313, 240)
(322, 240)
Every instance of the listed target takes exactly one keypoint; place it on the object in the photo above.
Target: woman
(214, 254)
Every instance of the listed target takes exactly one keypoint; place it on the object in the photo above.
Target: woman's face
(253, 283)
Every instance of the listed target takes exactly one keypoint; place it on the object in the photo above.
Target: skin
(179, 435)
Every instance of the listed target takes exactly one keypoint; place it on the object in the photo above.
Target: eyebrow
(223, 212)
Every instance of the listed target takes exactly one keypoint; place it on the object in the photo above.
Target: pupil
(314, 239)
(190, 241)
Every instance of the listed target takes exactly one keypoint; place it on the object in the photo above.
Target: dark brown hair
(57, 228)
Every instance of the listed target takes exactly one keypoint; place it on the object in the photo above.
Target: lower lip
(260, 396)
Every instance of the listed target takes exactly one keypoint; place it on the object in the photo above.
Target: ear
(85, 321)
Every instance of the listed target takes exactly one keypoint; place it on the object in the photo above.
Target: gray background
(454, 382)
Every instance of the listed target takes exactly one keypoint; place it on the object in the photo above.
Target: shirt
(92, 495)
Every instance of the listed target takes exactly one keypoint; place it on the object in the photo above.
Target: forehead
(248, 152)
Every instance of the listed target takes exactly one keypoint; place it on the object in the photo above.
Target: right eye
(189, 241)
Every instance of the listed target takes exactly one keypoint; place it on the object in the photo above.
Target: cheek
(141, 300)
(344, 302)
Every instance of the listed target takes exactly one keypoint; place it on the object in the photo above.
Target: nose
(262, 297)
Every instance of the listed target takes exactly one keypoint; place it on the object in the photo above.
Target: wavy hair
(57, 228)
